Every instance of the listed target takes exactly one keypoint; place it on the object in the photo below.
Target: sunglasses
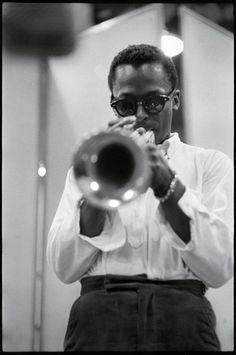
(152, 104)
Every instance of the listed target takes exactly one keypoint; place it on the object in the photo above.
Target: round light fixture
(171, 44)
(42, 169)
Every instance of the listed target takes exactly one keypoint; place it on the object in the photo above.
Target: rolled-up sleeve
(70, 253)
(209, 254)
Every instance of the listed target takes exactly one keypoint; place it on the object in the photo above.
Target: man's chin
(160, 138)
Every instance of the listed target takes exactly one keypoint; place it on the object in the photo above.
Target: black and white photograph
(117, 176)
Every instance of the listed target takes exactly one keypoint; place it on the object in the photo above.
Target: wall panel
(208, 117)
(19, 174)
(208, 82)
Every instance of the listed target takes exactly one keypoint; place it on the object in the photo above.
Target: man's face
(147, 79)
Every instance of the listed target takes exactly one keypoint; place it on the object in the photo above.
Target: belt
(112, 282)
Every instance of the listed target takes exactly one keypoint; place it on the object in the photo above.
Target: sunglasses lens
(154, 104)
(125, 107)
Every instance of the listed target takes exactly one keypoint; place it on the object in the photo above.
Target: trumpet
(111, 169)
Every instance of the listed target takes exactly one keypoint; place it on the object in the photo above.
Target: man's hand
(125, 124)
(162, 174)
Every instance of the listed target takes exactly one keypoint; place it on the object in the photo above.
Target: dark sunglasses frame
(142, 101)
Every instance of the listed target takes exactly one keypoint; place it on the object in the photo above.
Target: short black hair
(139, 54)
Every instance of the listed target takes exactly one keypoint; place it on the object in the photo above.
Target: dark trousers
(132, 313)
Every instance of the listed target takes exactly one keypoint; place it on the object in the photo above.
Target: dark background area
(220, 13)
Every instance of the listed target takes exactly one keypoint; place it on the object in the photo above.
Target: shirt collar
(170, 145)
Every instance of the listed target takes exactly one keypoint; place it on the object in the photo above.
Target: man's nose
(141, 114)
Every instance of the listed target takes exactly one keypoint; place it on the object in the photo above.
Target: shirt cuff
(188, 203)
(112, 237)
(175, 241)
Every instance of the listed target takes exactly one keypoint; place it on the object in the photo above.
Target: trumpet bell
(111, 169)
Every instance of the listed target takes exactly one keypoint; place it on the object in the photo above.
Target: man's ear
(176, 100)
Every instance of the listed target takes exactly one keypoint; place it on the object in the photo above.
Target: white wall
(208, 74)
(208, 118)
(19, 174)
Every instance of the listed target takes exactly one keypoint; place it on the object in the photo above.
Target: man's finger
(112, 122)
(141, 130)
(120, 123)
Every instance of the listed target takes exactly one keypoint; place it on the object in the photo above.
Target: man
(144, 267)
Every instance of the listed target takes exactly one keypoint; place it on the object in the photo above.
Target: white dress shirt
(136, 237)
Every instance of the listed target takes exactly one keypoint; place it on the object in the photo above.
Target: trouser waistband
(111, 282)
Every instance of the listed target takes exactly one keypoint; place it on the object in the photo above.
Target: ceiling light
(171, 44)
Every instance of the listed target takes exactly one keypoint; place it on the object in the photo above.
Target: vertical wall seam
(40, 227)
